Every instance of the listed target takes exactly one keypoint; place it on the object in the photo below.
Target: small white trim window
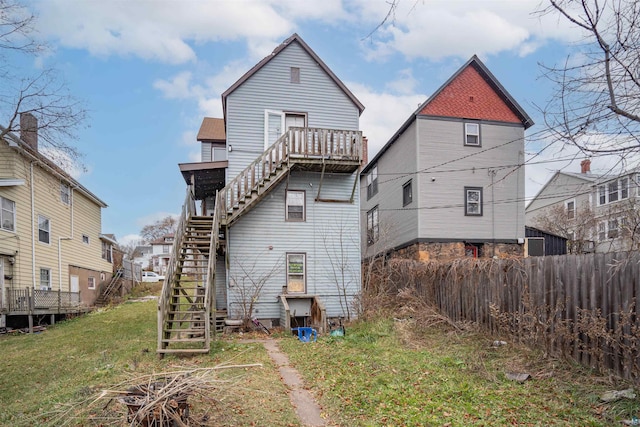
(65, 194)
(296, 272)
(7, 214)
(91, 282)
(473, 201)
(295, 205)
(613, 191)
(571, 209)
(407, 193)
(44, 229)
(45, 279)
(85, 239)
(472, 134)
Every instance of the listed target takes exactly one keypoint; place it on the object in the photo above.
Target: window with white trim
(602, 231)
(91, 282)
(85, 239)
(373, 229)
(612, 228)
(296, 272)
(45, 279)
(571, 209)
(472, 134)
(613, 191)
(106, 251)
(7, 214)
(372, 182)
(65, 193)
(295, 205)
(44, 229)
(473, 201)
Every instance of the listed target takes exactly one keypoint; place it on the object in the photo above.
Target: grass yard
(50, 378)
(384, 374)
(380, 374)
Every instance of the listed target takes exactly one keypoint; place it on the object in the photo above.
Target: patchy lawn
(386, 373)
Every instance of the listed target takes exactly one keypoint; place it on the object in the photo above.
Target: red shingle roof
(470, 96)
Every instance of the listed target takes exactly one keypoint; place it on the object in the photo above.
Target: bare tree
(577, 226)
(596, 105)
(247, 281)
(159, 229)
(342, 268)
(43, 93)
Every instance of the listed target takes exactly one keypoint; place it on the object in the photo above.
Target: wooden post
(30, 323)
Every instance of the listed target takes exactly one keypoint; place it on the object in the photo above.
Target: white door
(75, 284)
(273, 126)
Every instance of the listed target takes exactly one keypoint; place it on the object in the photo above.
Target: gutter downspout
(60, 239)
(33, 228)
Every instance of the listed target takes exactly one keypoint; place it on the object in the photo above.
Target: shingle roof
(212, 130)
(472, 92)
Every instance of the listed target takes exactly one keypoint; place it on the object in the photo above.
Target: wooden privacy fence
(581, 306)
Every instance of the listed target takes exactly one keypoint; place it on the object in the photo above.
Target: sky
(148, 71)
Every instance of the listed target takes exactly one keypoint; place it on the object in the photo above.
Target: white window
(372, 226)
(571, 209)
(472, 134)
(44, 229)
(372, 182)
(91, 282)
(7, 214)
(613, 191)
(602, 195)
(296, 273)
(65, 193)
(624, 188)
(45, 279)
(473, 201)
(295, 205)
(165, 249)
(85, 239)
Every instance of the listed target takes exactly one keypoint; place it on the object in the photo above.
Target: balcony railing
(29, 300)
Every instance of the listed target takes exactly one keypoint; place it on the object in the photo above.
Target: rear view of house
(53, 257)
(278, 181)
(450, 182)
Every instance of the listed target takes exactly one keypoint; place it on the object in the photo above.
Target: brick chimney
(365, 151)
(29, 130)
(585, 166)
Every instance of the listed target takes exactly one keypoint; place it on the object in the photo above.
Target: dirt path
(307, 409)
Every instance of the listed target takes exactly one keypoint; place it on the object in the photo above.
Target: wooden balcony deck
(35, 301)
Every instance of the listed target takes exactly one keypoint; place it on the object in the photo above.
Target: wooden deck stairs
(186, 325)
(110, 289)
(186, 308)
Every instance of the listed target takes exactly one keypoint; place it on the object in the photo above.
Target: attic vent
(295, 75)
(471, 99)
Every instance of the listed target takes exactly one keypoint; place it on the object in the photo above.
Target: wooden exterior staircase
(110, 289)
(186, 308)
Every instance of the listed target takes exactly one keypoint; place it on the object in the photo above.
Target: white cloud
(177, 87)
(130, 238)
(384, 114)
(405, 83)
(159, 30)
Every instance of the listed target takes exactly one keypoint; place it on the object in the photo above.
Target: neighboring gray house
(287, 207)
(595, 212)
(449, 182)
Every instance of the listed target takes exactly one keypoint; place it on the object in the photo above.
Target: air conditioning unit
(533, 246)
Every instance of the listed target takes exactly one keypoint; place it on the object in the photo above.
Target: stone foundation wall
(452, 250)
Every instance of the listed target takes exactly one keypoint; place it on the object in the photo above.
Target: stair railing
(106, 292)
(296, 143)
(188, 210)
(210, 285)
